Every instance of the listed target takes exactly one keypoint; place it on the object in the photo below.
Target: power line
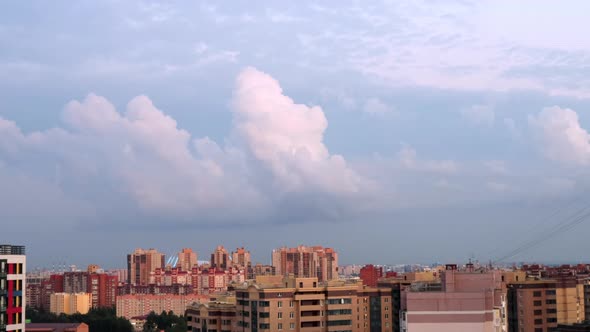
(568, 223)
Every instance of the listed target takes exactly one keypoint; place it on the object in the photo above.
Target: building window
(551, 311)
(537, 303)
(538, 321)
(537, 293)
(264, 326)
(291, 314)
(280, 315)
(552, 320)
(538, 312)
(280, 326)
(280, 304)
(550, 292)
(550, 301)
(292, 326)
(291, 304)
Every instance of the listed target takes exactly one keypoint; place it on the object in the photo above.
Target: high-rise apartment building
(141, 263)
(75, 282)
(306, 262)
(13, 264)
(220, 258)
(532, 306)
(241, 257)
(103, 288)
(187, 259)
(369, 274)
(305, 304)
(70, 303)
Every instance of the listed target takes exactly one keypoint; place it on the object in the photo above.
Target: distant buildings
(241, 258)
(187, 259)
(70, 303)
(103, 288)
(306, 262)
(220, 258)
(13, 265)
(138, 305)
(370, 274)
(141, 263)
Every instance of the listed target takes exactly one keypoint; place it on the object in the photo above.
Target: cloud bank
(275, 155)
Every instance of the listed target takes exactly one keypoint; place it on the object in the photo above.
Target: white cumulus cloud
(288, 137)
(561, 136)
(142, 160)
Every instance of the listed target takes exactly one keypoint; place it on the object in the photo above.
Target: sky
(393, 131)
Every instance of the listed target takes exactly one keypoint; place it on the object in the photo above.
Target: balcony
(311, 319)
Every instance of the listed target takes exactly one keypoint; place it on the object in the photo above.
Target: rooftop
(52, 327)
(8, 249)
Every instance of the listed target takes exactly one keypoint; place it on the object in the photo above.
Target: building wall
(70, 303)
(465, 301)
(187, 259)
(138, 305)
(213, 316)
(570, 303)
(369, 274)
(12, 288)
(451, 327)
(304, 304)
(306, 262)
(532, 305)
(141, 263)
(241, 257)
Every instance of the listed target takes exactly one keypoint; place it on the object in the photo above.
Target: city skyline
(391, 131)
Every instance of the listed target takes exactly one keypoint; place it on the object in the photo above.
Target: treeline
(166, 321)
(98, 320)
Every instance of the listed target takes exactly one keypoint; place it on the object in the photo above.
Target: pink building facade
(468, 301)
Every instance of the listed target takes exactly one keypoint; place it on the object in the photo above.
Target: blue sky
(394, 131)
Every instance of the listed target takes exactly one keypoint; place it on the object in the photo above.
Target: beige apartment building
(129, 306)
(306, 262)
(532, 306)
(141, 263)
(274, 303)
(187, 259)
(241, 257)
(213, 316)
(570, 299)
(70, 303)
